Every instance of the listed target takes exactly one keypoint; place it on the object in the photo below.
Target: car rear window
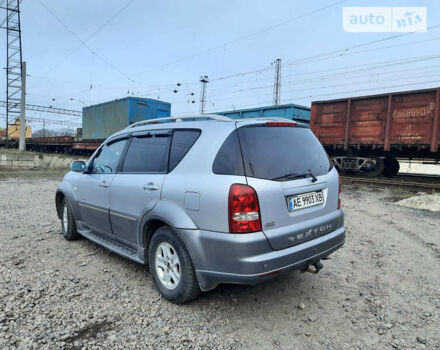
(282, 153)
(181, 144)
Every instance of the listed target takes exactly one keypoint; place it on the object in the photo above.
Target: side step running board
(111, 245)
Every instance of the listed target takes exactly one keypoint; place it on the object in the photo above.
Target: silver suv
(207, 200)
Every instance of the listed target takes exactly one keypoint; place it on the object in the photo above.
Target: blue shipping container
(101, 120)
(289, 111)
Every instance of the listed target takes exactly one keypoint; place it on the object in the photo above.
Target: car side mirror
(78, 166)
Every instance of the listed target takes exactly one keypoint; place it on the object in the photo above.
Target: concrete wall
(34, 161)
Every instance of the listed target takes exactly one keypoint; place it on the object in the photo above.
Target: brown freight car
(370, 133)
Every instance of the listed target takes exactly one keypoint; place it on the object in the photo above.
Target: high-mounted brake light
(244, 210)
(281, 124)
(339, 194)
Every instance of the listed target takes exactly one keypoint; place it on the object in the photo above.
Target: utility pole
(22, 142)
(13, 61)
(204, 80)
(277, 82)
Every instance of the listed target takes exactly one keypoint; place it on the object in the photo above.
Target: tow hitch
(317, 267)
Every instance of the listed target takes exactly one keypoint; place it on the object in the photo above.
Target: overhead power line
(84, 43)
(324, 55)
(233, 41)
(152, 89)
(301, 88)
(87, 39)
(345, 73)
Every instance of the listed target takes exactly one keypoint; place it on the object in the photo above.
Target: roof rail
(180, 119)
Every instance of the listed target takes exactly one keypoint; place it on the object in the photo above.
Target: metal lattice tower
(13, 60)
(277, 82)
(204, 80)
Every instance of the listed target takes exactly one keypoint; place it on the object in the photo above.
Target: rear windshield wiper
(295, 175)
(288, 176)
(314, 178)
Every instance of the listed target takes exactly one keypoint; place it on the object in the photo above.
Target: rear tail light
(339, 194)
(244, 210)
(281, 124)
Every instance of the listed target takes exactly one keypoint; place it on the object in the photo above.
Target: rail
(417, 182)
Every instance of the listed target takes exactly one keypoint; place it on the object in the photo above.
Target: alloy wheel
(167, 265)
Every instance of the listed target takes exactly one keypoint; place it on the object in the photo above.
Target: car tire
(171, 267)
(68, 225)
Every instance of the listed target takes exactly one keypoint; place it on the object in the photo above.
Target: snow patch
(426, 201)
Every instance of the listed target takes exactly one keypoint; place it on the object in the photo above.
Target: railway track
(428, 183)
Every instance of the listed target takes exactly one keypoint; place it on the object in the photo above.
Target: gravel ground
(382, 290)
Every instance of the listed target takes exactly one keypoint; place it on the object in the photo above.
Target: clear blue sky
(151, 46)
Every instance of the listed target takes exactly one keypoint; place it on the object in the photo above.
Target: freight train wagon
(370, 133)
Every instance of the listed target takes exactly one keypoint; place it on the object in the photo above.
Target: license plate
(305, 200)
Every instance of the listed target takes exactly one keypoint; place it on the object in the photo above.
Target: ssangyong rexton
(207, 201)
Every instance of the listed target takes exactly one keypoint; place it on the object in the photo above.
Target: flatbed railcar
(371, 133)
(57, 144)
(62, 144)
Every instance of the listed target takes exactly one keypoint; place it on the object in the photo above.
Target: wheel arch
(65, 191)
(149, 228)
(151, 224)
(157, 218)
(59, 197)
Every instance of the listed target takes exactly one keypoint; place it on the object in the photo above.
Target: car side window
(229, 160)
(148, 154)
(182, 142)
(108, 157)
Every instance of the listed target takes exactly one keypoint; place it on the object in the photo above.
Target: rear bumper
(242, 259)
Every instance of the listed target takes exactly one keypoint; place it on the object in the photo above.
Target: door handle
(151, 186)
(103, 184)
